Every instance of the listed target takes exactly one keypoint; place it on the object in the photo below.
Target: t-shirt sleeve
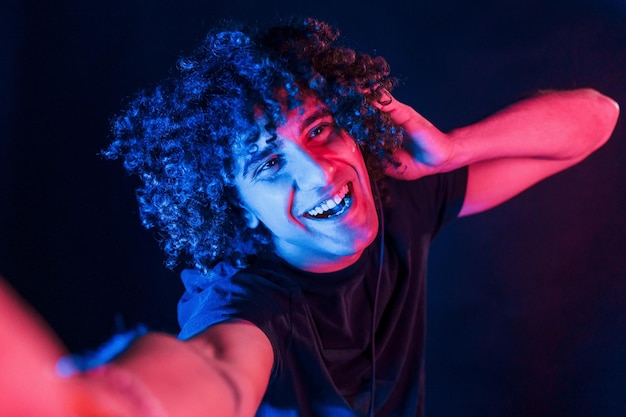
(428, 203)
(230, 294)
(450, 194)
(227, 294)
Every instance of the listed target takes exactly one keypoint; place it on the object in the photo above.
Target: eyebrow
(317, 114)
(257, 157)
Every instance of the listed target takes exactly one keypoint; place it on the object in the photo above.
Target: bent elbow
(595, 117)
(606, 112)
(613, 111)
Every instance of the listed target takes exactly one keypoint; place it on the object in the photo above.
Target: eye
(317, 130)
(320, 132)
(269, 164)
(269, 167)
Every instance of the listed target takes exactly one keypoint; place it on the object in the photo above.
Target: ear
(251, 219)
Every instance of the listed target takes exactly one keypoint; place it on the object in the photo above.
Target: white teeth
(330, 203)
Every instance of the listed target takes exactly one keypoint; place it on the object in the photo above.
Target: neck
(316, 263)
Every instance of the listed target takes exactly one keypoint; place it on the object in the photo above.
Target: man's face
(308, 184)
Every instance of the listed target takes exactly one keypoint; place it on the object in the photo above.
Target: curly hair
(180, 138)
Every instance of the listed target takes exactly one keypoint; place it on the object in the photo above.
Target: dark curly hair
(180, 138)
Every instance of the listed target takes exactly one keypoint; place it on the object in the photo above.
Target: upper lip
(328, 196)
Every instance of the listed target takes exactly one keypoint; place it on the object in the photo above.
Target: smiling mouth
(334, 206)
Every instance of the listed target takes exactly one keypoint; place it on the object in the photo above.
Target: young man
(305, 197)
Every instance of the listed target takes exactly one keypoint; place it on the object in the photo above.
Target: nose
(310, 169)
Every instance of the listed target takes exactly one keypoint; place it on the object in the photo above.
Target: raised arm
(221, 372)
(510, 150)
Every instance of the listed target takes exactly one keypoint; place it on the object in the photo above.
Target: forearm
(160, 376)
(221, 372)
(510, 150)
(564, 126)
(530, 141)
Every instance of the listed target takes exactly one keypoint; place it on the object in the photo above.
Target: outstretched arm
(510, 150)
(221, 372)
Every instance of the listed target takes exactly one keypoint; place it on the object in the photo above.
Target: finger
(401, 114)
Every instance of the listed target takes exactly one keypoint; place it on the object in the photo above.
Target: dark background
(527, 313)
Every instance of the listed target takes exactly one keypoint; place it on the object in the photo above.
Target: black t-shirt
(320, 325)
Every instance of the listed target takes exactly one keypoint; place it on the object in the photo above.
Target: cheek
(356, 161)
(269, 204)
(350, 153)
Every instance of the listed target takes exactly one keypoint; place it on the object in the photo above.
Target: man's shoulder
(228, 293)
(265, 271)
(194, 279)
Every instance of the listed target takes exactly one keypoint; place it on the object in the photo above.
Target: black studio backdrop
(526, 302)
